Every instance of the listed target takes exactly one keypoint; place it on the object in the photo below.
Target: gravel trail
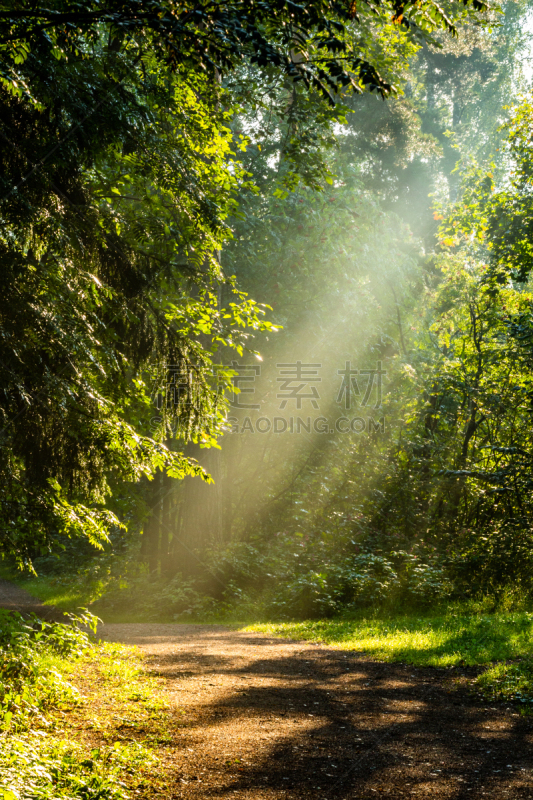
(259, 717)
(262, 718)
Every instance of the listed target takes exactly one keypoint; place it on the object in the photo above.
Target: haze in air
(265, 355)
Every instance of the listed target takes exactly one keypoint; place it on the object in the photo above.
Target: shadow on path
(268, 718)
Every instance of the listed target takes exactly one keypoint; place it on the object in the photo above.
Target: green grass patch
(78, 719)
(43, 767)
(440, 641)
(509, 682)
(426, 641)
(64, 595)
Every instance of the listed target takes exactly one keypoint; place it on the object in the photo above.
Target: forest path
(259, 717)
(15, 599)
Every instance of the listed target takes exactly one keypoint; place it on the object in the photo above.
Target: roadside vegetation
(496, 637)
(78, 718)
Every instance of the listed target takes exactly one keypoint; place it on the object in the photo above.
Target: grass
(439, 641)
(508, 682)
(66, 596)
(45, 767)
(426, 641)
(78, 720)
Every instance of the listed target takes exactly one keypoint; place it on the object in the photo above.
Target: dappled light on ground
(438, 641)
(258, 717)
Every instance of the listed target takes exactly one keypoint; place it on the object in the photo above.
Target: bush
(29, 682)
(35, 764)
(364, 579)
(153, 598)
(489, 562)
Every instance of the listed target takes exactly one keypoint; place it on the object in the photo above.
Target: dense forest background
(266, 323)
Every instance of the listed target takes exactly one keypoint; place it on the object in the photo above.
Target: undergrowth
(64, 705)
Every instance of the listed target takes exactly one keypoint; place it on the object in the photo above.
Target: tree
(312, 42)
(452, 109)
(117, 180)
(109, 233)
(465, 458)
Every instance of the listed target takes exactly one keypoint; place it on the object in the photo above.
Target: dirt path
(269, 718)
(258, 717)
(15, 599)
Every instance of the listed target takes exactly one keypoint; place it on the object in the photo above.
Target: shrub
(29, 681)
(364, 579)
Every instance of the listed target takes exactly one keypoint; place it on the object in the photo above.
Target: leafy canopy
(118, 172)
(308, 41)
